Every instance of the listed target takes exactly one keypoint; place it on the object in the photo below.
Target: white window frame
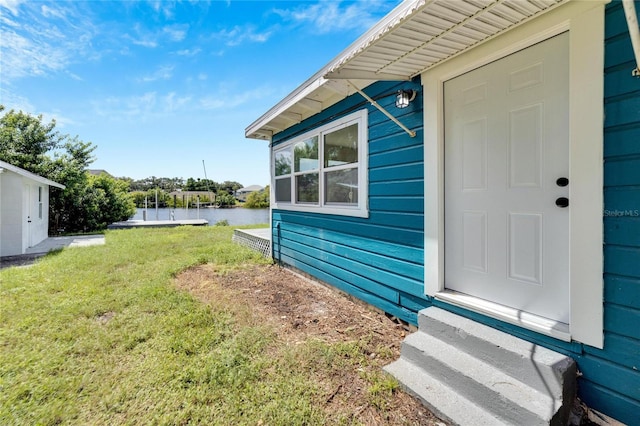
(361, 209)
(585, 23)
(40, 205)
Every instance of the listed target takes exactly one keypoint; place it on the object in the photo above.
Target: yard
(181, 326)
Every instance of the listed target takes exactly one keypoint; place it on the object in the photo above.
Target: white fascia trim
(585, 21)
(27, 174)
(291, 99)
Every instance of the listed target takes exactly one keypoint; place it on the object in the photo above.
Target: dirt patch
(299, 310)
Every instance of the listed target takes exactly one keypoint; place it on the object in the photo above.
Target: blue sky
(161, 86)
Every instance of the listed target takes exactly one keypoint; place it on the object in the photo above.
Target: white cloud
(240, 34)
(188, 52)
(43, 38)
(75, 76)
(176, 32)
(162, 73)
(172, 102)
(11, 6)
(227, 100)
(141, 108)
(61, 120)
(11, 100)
(129, 108)
(8, 22)
(152, 39)
(330, 16)
(163, 7)
(145, 43)
(49, 12)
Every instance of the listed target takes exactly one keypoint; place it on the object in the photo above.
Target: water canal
(235, 216)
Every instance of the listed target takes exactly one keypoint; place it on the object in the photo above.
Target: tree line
(146, 190)
(176, 183)
(90, 202)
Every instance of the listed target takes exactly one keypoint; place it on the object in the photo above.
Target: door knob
(563, 181)
(562, 202)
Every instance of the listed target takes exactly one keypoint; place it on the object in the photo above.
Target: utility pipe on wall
(634, 31)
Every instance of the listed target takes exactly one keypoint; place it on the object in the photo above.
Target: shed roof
(28, 174)
(415, 36)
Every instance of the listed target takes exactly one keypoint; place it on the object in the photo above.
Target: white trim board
(585, 23)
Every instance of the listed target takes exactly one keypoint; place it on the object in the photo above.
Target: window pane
(283, 163)
(307, 188)
(341, 186)
(305, 154)
(341, 146)
(283, 190)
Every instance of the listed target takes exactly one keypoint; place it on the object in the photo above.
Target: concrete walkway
(49, 244)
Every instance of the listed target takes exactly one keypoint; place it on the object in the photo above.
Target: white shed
(24, 209)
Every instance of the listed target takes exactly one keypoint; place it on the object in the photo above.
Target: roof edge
(28, 174)
(391, 20)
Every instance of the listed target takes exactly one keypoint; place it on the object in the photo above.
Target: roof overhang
(27, 174)
(415, 36)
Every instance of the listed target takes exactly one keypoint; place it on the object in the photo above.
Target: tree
(258, 199)
(230, 187)
(201, 185)
(25, 141)
(87, 203)
(225, 200)
(112, 200)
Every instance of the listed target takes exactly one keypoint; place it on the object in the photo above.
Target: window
(325, 170)
(39, 202)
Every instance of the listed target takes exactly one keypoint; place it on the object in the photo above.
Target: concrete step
(491, 377)
(540, 368)
(500, 394)
(440, 399)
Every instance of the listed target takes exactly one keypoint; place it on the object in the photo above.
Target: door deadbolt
(563, 181)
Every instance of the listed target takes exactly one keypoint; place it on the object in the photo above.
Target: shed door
(26, 217)
(506, 147)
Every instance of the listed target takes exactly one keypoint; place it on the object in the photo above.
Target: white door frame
(585, 23)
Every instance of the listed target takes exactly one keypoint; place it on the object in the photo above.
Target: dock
(157, 223)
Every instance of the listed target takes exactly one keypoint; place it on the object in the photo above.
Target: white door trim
(585, 23)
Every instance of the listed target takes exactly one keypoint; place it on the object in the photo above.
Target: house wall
(611, 381)
(378, 259)
(12, 217)
(10, 214)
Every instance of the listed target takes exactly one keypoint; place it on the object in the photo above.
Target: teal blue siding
(379, 259)
(611, 380)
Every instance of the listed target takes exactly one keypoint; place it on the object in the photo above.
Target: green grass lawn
(99, 335)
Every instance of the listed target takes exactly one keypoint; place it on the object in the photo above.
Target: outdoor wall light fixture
(404, 97)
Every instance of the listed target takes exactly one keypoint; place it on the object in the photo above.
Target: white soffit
(415, 36)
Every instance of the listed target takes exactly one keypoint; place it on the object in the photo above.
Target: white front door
(506, 177)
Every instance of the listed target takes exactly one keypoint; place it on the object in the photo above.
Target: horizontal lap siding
(611, 377)
(379, 259)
